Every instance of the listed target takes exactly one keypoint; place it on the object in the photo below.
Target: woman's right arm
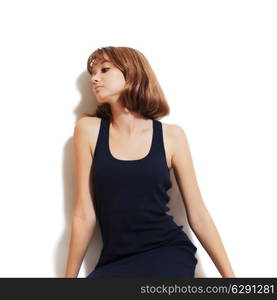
(83, 218)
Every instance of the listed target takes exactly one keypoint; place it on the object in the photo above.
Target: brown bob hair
(142, 93)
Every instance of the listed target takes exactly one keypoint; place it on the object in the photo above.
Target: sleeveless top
(130, 199)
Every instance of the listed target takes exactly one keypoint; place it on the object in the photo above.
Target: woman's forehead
(95, 62)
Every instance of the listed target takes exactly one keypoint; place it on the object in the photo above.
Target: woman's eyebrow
(101, 63)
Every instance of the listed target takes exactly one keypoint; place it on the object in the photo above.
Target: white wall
(215, 60)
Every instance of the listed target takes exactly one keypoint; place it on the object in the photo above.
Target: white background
(216, 62)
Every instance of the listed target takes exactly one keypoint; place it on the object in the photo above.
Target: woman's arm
(83, 216)
(199, 218)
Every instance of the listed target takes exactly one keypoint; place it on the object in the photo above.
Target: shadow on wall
(178, 211)
(88, 104)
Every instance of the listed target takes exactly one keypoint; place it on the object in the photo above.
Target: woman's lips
(98, 87)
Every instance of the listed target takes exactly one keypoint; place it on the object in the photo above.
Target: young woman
(123, 157)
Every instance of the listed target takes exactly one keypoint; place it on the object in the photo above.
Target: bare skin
(129, 139)
(130, 147)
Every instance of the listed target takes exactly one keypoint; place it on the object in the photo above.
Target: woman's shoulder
(89, 127)
(172, 135)
(87, 122)
(172, 130)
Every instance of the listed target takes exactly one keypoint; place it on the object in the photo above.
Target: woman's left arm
(198, 215)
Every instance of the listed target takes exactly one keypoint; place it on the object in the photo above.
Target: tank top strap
(101, 146)
(158, 147)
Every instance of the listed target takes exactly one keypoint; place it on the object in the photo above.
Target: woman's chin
(101, 100)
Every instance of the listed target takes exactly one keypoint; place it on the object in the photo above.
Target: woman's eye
(93, 73)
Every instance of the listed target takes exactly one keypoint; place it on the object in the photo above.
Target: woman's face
(110, 81)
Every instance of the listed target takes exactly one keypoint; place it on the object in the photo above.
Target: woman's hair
(142, 93)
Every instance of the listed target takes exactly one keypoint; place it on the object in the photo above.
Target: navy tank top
(130, 199)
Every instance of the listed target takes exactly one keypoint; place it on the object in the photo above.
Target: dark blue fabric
(139, 238)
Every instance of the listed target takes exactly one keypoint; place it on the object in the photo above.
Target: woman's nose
(94, 79)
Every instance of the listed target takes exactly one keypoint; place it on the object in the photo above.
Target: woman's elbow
(198, 217)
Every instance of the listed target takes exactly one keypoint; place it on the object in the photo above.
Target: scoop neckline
(130, 160)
